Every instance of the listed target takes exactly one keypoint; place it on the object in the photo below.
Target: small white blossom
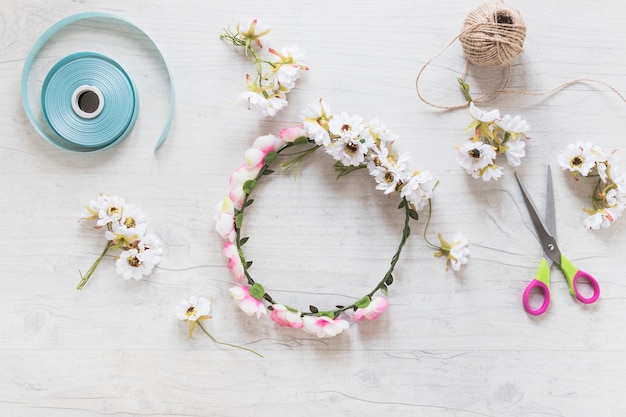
(316, 118)
(378, 161)
(579, 157)
(459, 252)
(474, 156)
(419, 189)
(381, 135)
(482, 115)
(193, 309)
(515, 152)
(489, 172)
(324, 326)
(513, 124)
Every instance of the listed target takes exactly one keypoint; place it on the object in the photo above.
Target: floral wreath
(355, 144)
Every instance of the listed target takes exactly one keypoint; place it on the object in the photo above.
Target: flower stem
(85, 278)
(224, 343)
(300, 156)
(465, 88)
(428, 242)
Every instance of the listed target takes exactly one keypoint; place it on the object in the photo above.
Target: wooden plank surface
(451, 344)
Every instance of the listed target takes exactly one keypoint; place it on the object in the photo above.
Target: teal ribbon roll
(67, 109)
(88, 100)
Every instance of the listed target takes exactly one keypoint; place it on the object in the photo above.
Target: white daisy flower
(389, 180)
(474, 156)
(419, 189)
(110, 209)
(315, 122)
(381, 135)
(513, 124)
(490, 172)
(150, 249)
(459, 252)
(579, 158)
(137, 262)
(346, 126)
(482, 115)
(193, 309)
(254, 101)
(515, 152)
(378, 160)
(129, 265)
(288, 69)
(276, 102)
(130, 227)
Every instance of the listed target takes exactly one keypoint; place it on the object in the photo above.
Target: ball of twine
(493, 34)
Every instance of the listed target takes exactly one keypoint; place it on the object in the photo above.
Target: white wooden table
(450, 344)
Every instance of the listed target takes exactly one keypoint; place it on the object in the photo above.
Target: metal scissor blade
(548, 243)
(550, 218)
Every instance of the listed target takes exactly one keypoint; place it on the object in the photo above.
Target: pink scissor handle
(546, 297)
(594, 285)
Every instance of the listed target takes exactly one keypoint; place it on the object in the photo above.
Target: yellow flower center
(576, 161)
(352, 147)
(134, 261)
(474, 153)
(112, 210)
(130, 222)
(389, 177)
(191, 311)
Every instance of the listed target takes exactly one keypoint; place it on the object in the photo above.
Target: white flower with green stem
(492, 135)
(266, 92)
(456, 253)
(194, 310)
(125, 229)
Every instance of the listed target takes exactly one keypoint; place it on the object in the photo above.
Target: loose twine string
(492, 36)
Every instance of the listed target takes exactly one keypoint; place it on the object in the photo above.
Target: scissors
(546, 232)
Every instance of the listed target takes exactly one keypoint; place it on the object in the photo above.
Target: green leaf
(313, 309)
(301, 140)
(389, 279)
(384, 290)
(257, 291)
(363, 302)
(269, 158)
(238, 220)
(268, 172)
(330, 314)
(248, 264)
(413, 214)
(402, 204)
(249, 202)
(248, 186)
(243, 241)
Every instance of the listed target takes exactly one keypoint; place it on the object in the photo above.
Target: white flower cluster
(266, 93)
(493, 134)
(354, 141)
(125, 229)
(609, 196)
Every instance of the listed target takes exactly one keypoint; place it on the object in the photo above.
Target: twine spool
(493, 34)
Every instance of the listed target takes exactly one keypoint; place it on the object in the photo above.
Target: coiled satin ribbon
(87, 99)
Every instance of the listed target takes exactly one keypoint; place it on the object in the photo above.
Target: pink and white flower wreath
(354, 143)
